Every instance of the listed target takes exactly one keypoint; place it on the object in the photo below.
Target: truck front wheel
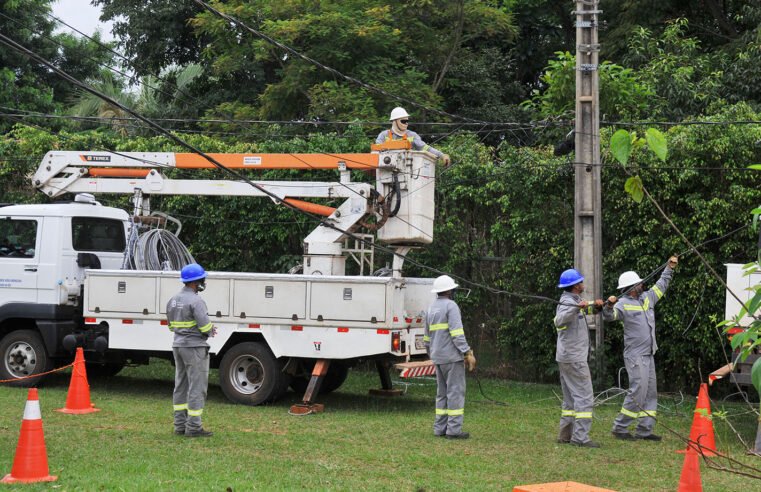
(23, 355)
(250, 374)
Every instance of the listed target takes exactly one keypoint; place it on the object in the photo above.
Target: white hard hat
(443, 284)
(397, 113)
(627, 279)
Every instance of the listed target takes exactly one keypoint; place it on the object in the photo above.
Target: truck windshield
(96, 234)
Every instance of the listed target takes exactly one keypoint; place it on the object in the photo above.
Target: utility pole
(587, 202)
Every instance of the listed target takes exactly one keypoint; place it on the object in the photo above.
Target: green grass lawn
(358, 443)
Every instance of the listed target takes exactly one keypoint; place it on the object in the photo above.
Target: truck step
(415, 369)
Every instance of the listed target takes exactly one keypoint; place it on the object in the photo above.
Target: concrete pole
(587, 202)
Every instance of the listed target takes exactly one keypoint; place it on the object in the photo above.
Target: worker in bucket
(571, 355)
(189, 320)
(445, 343)
(635, 309)
(400, 121)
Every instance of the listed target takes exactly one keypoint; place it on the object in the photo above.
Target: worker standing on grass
(400, 121)
(449, 350)
(636, 309)
(189, 320)
(571, 355)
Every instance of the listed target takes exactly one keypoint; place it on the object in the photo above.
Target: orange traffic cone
(31, 461)
(690, 479)
(78, 398)
(702, 426)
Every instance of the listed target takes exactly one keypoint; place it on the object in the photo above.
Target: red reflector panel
(419, 320)
(254, 325)
(383, 332)
(297, 328)
(396, 341)
(343, 330)
(90, 320)
(408, 320)
(164, 322)
(126, 321)
(396, 318)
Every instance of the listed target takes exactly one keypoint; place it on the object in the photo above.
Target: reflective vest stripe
(439, 326)
(657, 291)
(458, 332)
(454, 413)
(567, 413)
(441, 411)
(561, 328)
(633, 307)
(205, 328)
(180, 407)
(426, 338)
(583, 415)
(629, 413)
(195, 413)
(182, 324)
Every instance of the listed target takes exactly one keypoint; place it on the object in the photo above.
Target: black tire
(23, 354)
(250, 374)
(336, 376)
(102, 371)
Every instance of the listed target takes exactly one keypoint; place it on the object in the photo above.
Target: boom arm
(399, 174)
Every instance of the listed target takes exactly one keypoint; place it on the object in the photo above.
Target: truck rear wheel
(23, 354)
(250, 374)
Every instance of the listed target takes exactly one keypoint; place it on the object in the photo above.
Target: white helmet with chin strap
(443, 283)
(627, 279)
(398, 113)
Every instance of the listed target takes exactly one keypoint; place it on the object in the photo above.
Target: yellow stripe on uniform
(426, 338)
(182, 324)
(648, 413)
(458, 411)
(583, 415)
(180, 407)
(657, 291)
(567, 413)
(205, 328)
(561, 328)
(457, 332)
(441, 411)
(195, 413)
(629, 413)
(439, 326)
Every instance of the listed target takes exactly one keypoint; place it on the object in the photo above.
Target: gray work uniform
(638, 316)
(575, 379)
(414, 138)
(189, 320)
(445, 342)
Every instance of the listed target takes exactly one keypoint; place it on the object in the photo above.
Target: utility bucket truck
(62, 284)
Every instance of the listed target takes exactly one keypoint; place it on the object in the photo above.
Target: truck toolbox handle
(30, 269)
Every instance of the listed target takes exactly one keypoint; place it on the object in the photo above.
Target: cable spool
(156, 249)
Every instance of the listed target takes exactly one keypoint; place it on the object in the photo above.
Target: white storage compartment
(269, 299)
(121, 294)
(339, 301)
(216, 295)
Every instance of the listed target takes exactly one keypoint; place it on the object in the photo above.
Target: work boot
(461, 435)
(563, 441)
(588, 444)
(624, 436)
(650, 437)
(198, 433)
(440, 435)
(179, 432)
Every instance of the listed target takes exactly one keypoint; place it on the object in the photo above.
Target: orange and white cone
(702, 426)
(30, 463)
(78, 397)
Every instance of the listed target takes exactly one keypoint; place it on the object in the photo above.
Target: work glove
(470, 361)
(673, 262)
(446, 160)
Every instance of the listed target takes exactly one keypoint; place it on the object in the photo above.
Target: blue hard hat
(570, 277)
(192, 272)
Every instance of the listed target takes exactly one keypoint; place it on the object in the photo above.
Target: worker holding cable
(188, 318)
(635, 309)
(445, 343)
(571, 355)
(400, 121)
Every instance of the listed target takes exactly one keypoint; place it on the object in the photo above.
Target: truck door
(19, 258)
